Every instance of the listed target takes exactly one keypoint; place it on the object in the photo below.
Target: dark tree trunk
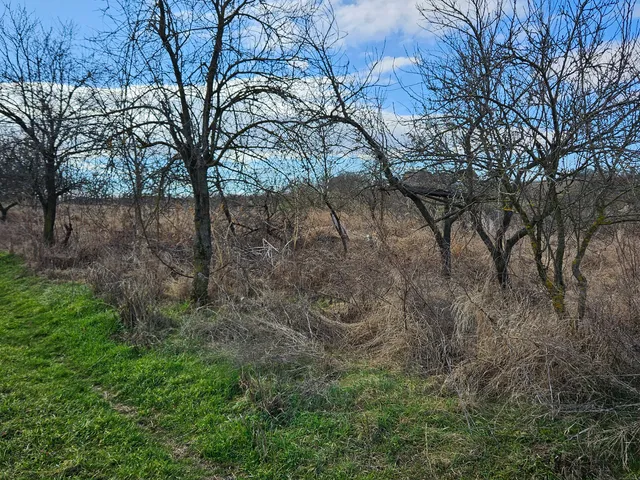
(342, 232)
(50, 202)
(501, 249)
(68, 230)
(50, 210)
(445, 247)
(5, 210)
(501, 263)
(577, 272)
(202, 244)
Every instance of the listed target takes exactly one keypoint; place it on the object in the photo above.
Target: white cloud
(390, 64)
(372, 20)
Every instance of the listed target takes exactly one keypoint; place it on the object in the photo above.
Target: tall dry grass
(287, 292)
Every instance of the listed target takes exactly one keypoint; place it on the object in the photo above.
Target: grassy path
(53, 421)
(75, 403)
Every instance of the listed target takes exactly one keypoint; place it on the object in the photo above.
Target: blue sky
(367, 22)
(375, 28)
(85, 13)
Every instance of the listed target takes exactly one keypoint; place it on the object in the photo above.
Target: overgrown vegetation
(76, 403)
(303, 281)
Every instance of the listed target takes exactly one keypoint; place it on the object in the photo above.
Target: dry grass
(293, 295)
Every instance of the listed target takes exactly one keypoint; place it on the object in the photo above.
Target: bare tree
(576, 97)
(320, 156)
(460, 129)
(599, 196)
(140, 170)
(44, 97)
(546, 92)
(341, 96)
(213, 74)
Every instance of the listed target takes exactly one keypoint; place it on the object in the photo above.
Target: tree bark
(5, 210)
(581, 279)
(445, 247)
(501, 249)
(342, 232)
(49, 201)
(202, 244)
(50, 210)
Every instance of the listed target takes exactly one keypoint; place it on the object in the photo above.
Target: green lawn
(77, 403)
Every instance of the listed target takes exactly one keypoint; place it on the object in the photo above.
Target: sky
(384, 29)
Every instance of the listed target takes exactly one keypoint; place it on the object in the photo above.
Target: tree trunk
(445, 247)
(50, 203)
(342, 232)
(137, 201)
(501, 263)
(224, 203)
(202, 244)
(501, 249)
(581, 279)
(50, 210)
(582, 297)
(5, 210)
(559, 295)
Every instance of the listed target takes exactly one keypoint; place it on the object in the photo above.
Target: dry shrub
(269, 328)
(408, 330)
(134, 284)
(515, 345)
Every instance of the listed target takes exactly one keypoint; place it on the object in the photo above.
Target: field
(340, 239)
(308, 363)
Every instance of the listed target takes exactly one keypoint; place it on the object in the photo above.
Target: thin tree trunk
(224, 203)
(445, 247)
(137, 201)
(5, 210)
(342, 232)
(577, 273)
(202, 244)
(500, 250)
(559, 292)
(49, 210)
(50, 204)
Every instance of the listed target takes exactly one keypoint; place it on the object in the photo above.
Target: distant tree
(44, 97)
(343, 97)
(14, 179)
(575, 96)
(462, 134)
(320, 156)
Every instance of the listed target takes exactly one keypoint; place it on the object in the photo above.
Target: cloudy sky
(386, 29)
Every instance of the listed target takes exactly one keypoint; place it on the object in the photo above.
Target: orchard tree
(548, 95)
(319, 156)
(44, 98)
(14, 179)
(340, 96)
(458, 127)
(214, 75)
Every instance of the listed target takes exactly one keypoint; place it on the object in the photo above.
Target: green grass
(77, 403)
